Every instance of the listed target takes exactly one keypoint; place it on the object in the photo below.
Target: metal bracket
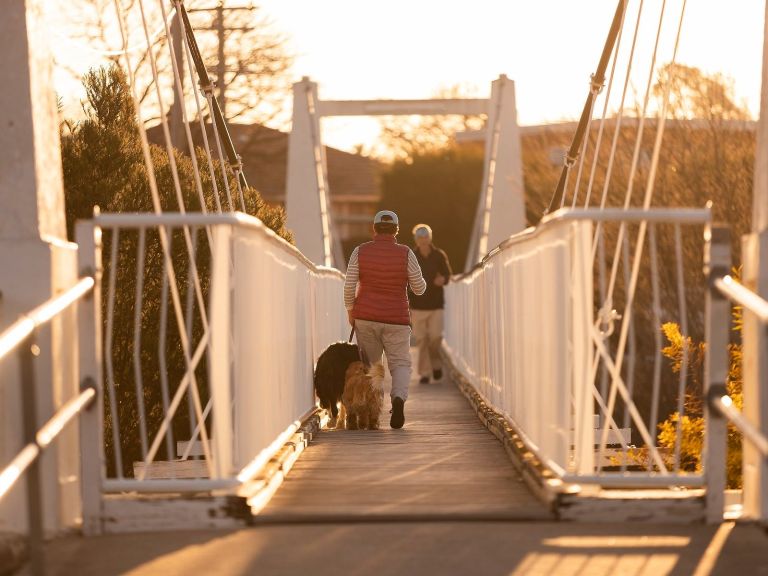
(715, 392)
(86, 384)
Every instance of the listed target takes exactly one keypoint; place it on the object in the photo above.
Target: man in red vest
(376, 298)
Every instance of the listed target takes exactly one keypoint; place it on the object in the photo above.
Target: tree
(253, 75)
(256, 58)
(438, 187)
(707, 154)
(104, 166)
(709, 150)
(403, 137)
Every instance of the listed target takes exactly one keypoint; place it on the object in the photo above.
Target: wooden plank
(196, 450)
(164, 469)
(126, 513)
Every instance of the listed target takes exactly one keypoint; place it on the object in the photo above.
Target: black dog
(329, 374)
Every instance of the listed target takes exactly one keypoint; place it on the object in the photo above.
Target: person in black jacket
(427, 309)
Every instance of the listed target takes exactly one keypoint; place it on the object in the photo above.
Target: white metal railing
(578, 371)
(725, 290)
(21, 337)
(217, 351)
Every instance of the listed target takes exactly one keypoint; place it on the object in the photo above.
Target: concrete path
(420, 549)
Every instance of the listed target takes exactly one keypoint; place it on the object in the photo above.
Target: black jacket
(432, 265)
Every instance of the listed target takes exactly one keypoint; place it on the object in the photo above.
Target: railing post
(27, 352)
(755, 373)
(717, 263)
(92, 469)
(582, 348)
(220, 366)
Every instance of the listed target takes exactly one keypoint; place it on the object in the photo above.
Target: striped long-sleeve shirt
(415, 279)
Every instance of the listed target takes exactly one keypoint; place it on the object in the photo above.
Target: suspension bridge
(158, 414)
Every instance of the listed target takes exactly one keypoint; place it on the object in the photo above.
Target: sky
(413, 48)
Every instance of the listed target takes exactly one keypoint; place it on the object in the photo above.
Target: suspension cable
(218, 118)
(164, 241)
(646, 204)
(598, 78)
(601, 129)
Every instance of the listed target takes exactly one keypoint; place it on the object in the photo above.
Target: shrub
(692, 423)
(103, 166)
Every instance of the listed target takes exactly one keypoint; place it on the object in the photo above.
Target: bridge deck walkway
(443, 463)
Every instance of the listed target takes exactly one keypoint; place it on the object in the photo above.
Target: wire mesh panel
(208, 359)
(649, 351)
(510, 330)
(284, 313)
(587, 334)
(155, 344)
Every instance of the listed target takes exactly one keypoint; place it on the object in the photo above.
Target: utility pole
(219, 26)
(174, 114)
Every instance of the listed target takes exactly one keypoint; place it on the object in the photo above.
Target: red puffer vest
(382, 296)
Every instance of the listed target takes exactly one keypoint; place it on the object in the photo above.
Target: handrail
(47, 434)
(667, 215)
(178, 220)
(23, 327)
(725, 406)
(20, 336)
(743, 296)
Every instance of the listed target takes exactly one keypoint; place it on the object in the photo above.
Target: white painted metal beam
(500, 210)
(438, 106)
(306, 199)
(33, 246)
(755, 339)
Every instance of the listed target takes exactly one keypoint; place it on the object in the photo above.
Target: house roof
(264, 153)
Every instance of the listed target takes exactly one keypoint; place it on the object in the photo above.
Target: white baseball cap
(385, 216)
(422, 230)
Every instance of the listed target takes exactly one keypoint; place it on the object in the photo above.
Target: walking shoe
(437, 374)
(424, 380)
(398, 416)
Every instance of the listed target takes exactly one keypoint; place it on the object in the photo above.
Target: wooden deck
(442, 465)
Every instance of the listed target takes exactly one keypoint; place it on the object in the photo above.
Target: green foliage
(104, 163)
(682, 349)
(405, 137)
(707, 154)
(438, 187)
(104, 166)
(692, 440)
(692, 423)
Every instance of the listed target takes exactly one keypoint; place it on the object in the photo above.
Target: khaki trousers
(394, 340)
(428, 332)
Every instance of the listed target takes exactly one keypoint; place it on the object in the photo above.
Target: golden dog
(363, 395)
